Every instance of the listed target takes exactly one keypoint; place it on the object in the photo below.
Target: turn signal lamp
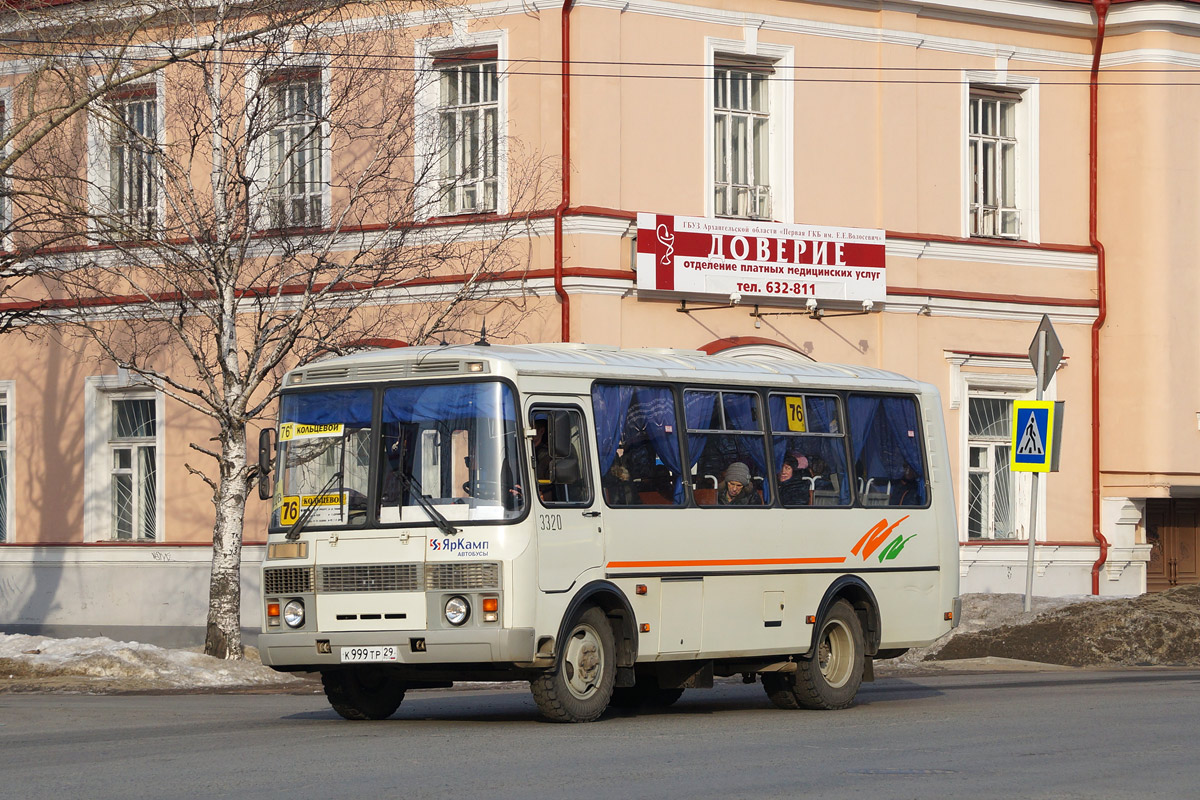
(272, 613)
(811, 619)
(949, 615)
(644, 627)
(640, 588)
(490, 606)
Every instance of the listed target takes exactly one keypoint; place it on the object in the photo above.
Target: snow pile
(982, 612)
(129, 663)
(1149, 630)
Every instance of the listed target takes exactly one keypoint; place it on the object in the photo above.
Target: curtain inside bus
(350, 408)
(885, 438)
(633, 416)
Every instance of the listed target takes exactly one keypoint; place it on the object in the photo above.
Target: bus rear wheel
(830, 676)
(580, 686)
(363, 693)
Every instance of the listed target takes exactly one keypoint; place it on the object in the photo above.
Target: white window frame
(99, 392)
(260, 100)
(991, 444)
(6, 451)
(1027, 149)
(428, 124)
(780, 105)
(100, 132)
(1008, 385)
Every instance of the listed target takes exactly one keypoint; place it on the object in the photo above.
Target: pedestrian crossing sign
(1035, 436)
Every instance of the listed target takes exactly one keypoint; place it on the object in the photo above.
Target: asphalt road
(1127, 734)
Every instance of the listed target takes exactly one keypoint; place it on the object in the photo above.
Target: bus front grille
(288, 580)
(370, 578)
(462, 577)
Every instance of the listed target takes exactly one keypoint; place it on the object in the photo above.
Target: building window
(4, 479)
(132, 160)
(468, 133)
(741, 141)
(990, 486)
(297, 180)
(992, 155)
(134, 476)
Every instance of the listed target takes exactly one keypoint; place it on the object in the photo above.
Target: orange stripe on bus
(725, 562)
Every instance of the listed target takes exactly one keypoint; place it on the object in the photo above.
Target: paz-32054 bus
(613, 526)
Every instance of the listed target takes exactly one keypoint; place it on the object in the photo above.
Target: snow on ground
(131, 664)
(1080, 631)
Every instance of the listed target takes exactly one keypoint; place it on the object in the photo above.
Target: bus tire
(830, 676)
(580, 685)
(363, 693)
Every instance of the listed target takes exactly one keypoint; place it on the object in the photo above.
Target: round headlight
(293, 613)
(457, 610)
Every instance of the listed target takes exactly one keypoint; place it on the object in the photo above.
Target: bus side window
(637, 445)
(889, 461)
(560, 457)
(809, 450)
(724, 429)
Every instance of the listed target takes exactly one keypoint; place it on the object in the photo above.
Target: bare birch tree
(59, 58)
(261, 201)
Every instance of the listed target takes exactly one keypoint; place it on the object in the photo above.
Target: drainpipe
(1101, 7)
(561, 209)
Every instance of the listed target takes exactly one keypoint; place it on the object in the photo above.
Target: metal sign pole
(1033, 491)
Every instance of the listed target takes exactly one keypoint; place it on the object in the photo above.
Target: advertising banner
(760, 261)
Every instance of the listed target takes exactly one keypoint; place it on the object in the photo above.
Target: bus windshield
(447, 451)
(454, 443)
(324, 457)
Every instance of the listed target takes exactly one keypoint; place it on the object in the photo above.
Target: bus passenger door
(567, 516)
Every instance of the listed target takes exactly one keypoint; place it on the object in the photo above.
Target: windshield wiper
(413, 488)
(294, 532)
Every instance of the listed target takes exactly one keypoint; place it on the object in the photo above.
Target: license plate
(360, 655)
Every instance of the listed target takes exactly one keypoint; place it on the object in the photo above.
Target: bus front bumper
(286, 650)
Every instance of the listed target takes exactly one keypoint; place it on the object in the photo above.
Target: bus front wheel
(363, 693)
(830, 676)
(580, 685)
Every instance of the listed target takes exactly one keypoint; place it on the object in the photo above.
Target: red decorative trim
(717, 345)
(138, 91)
(454, 58)
(382, 344)
(290, 74)
(990, 242)
(948, 294)
(600, 211)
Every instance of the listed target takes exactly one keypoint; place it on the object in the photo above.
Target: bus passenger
(818, 470)
(793, 491)
(618, 488)
(906, 491)
(736, 489)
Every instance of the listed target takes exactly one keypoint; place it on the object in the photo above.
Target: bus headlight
(293, 613)
(458, 610)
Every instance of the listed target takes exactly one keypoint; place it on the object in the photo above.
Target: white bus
(613, 526)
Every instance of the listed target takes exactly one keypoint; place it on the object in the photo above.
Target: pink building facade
(1013, 160)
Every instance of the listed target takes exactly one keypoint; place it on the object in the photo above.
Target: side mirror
(559, 433)
(266, 449)
(565, 470)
